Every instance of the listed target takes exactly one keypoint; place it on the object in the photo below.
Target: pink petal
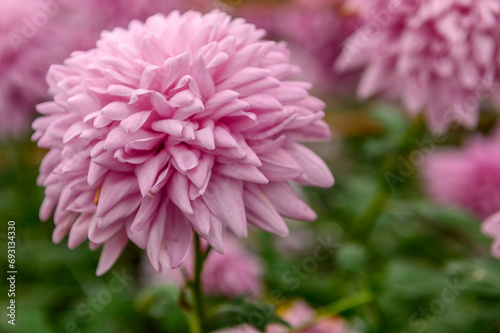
(178, 235)
(184, 158)
(262, 213)
(79, 231)
(316, 172)
(241, 171)
(224, 198)
(110, 252)
(155, 239)
(147, 212)
(177, 191)
(286, 202)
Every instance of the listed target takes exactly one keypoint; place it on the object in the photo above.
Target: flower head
(183, 122)
(434, 55)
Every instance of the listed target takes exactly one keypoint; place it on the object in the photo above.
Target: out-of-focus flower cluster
(315, 31)
(437, 57)
(36, 34)
(467, 177)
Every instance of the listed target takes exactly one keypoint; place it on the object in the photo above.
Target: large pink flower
(469, 177)
(236, 272)
(184, 122)
(434, 55)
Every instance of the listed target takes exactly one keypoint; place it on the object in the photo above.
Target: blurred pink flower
(26, 52)
(302, 318)
(235, 273)
(37, 33)
(314, 31)
(469, 178)
(438, 57)
(184, 122)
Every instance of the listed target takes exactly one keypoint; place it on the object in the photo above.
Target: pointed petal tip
(309, 216)
(330, 181)
(282, 233)
(72, 246)
(57, 237)
(175, 266)
(491, 226)
(137, 228)
(241, 233)
(154, 263)
(100, 271)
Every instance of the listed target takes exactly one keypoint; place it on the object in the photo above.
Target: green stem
(366, 222)
(349, 302)
(195, 285)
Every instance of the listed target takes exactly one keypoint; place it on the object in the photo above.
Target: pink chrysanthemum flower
(302, 318)
(235, 273)
(184, 122)
(315, 30)
(438, 56)
(469, 178)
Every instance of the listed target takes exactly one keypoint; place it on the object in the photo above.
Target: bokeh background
(425, 267)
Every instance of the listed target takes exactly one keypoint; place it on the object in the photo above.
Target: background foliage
(421, 268)
(388, 282)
